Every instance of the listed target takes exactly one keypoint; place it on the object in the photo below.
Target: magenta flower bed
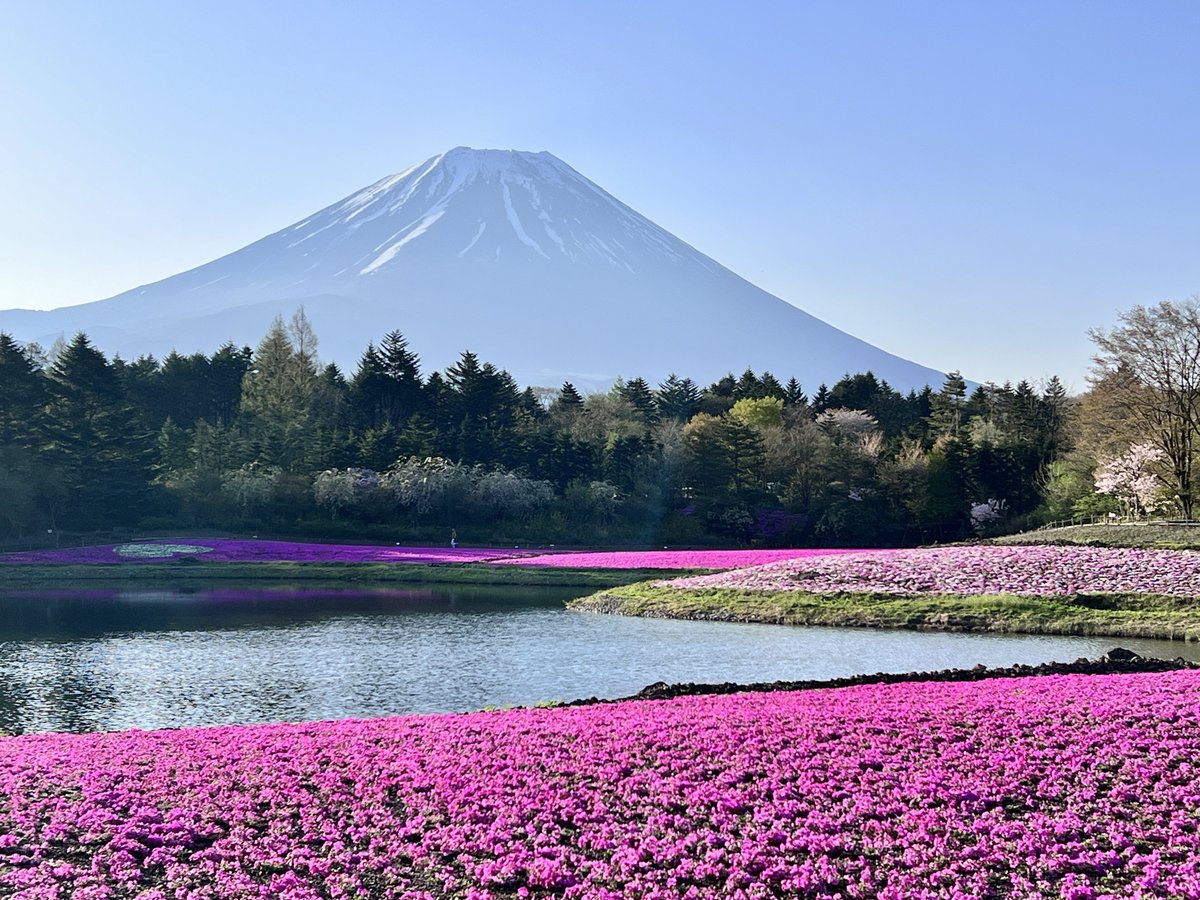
(220, 550)
(668, 559)
(1067, 787)
(1028, 570)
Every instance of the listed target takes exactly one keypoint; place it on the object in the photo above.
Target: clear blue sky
(969, 185)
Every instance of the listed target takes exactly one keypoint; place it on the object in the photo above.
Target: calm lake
(101, 660)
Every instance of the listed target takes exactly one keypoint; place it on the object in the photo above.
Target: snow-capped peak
(510, 253)
(486, 206)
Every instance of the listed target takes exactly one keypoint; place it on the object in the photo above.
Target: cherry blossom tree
(1133, 480)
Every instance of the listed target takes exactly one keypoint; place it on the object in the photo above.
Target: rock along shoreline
(1117, 661)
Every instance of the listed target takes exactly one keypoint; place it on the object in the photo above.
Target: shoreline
(192, 573)
(1093, 615)
(1117, 661)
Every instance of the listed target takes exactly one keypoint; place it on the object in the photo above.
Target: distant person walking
(453, 538)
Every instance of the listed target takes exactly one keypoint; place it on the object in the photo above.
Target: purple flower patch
(237, 551)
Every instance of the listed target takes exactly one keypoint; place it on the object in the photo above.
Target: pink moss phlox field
(668, 559)
(241, 551)
(1028, 570)
(1071, 787)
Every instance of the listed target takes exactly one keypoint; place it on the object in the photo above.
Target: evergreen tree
(368, 391)
(855, 392)
(820, 400)
(531, 406)
(1054, 411)
(1022, 412)
(748, 387)
(278, 394)
(627, 460)
(403, 370)
(771, 386)
(951, 488)
(638, 394)
(420, 436)
(380, 446)
(893, 412)
(920, 404)
(331, 414)
(28, 485)
(571, 460)
(568, 398)
(718, 398)
(566, 408)
(23, 394)
(226, 370)
(725, 459)
(439, 407)
(678, 399)
(95, 441)
(793, 394)
(142, 383)
(948, 413)
(485, 403)
(979, 404)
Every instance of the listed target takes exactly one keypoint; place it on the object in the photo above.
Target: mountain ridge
(512, 254)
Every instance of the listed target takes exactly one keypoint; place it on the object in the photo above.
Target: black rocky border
(1117, 661)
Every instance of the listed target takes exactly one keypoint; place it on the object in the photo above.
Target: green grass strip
(1148, 536)
(1110, 615)
(193, 572)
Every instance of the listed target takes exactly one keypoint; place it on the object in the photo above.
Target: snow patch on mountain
(475, 240)
(417, 229)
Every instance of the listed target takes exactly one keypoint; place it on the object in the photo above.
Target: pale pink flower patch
(1026, 570)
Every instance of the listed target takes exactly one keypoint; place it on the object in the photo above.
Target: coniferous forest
(269, 440)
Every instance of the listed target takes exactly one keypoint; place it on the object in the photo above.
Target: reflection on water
(101, 660)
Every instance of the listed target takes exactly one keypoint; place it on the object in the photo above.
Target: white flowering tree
(1147, 370)
(846, 423)
(432, 485)
(1132, 478)
(250, 487)
(347, 490)
(502, 493)
(421, 484)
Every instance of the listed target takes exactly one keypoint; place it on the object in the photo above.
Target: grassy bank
(192, 572)
(1112, 615)
(1150, 535)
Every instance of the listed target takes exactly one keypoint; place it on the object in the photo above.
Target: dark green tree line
(271, 438)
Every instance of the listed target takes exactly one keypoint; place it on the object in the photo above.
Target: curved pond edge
(1091, 615)
(1117, 661)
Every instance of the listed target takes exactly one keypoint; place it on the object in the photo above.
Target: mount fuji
(513, 255)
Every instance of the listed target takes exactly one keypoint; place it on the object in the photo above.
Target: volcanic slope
(511, 254)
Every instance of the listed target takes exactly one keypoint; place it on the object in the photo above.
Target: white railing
(1115, 520)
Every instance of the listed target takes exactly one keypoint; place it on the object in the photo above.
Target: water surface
(101, 660)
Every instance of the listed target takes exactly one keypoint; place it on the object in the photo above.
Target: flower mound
(158, 551)
(1067, 787)
(668, 559)
(1030, 571)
